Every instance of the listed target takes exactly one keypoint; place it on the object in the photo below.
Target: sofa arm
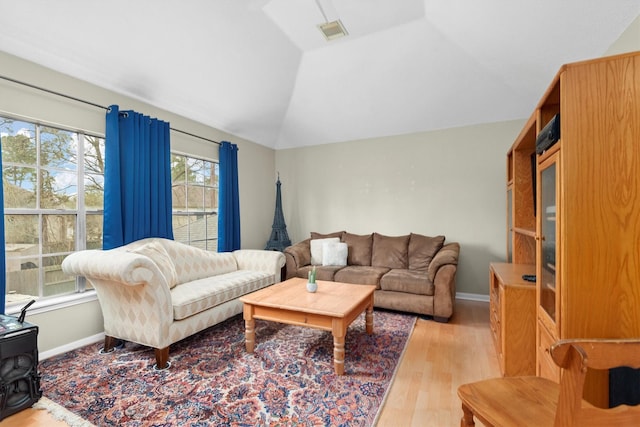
(297, 256)
(133, 294)
(260, 260)
(448, 254)
(442, 272)
(127, 268)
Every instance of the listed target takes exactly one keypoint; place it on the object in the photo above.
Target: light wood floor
(438, 358)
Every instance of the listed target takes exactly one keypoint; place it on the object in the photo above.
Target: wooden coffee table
(333, 307)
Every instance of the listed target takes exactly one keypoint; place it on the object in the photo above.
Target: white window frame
(80, 213)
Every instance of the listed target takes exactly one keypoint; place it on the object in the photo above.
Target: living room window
(53, 182)
(195, 201)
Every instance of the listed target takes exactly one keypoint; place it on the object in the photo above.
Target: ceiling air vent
(333, 30)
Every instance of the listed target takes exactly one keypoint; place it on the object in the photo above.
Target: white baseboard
(71, 346)
(472, 297)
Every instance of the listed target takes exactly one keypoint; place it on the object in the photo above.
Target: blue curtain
(3, 264)
(229, 203)
(137, 189)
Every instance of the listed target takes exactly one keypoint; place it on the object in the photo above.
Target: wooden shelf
(512, 273)
(531, 232)
(521, 161)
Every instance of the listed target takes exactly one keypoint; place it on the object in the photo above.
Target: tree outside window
(53, 181)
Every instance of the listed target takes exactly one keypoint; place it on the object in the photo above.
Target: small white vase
(312, 286)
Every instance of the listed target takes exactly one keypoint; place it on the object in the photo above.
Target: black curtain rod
(93, 104)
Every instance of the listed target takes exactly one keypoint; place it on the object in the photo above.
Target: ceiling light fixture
(331, 30)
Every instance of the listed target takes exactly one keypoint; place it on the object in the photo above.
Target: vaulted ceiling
(262, 70)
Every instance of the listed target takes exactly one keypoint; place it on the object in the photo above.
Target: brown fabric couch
(412, 273)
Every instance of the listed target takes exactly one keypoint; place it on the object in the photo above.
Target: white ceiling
(262, 70)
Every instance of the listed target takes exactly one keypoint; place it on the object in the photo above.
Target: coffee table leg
(250, 334)
(249, 327)
(338, 354)
(369, 319)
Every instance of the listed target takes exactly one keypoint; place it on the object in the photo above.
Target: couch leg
(110, 344)
(441, 319)
(162, 358)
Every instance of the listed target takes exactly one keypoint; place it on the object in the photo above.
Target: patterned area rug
(289, 380)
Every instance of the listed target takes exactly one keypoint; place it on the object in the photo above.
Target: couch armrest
(448, 254)
(260, 260)
(442, 272)
(133, 294)
(127, 268)
(297, 256)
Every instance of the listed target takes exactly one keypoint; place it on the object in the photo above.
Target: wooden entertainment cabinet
(573, 216)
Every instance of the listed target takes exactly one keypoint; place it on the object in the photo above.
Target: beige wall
(256, 168)
(449, 182)
(63, 326)
(629, 41)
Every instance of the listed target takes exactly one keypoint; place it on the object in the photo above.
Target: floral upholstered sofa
(156, 292)
(413, 273)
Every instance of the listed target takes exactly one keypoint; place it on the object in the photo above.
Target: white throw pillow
(316, 249)
(156, 252)
(334, 253)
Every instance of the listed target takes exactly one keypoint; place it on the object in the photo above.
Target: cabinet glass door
(547, 212)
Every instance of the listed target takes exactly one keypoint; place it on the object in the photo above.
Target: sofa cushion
(334, 253)
(156, 252)
(199, 295)
(422, 249)
(407, 281)
(315, 235)
(361, 275)
(359, 248)
(316, 246)
(390, 251)
(322, 272)
(300, 252)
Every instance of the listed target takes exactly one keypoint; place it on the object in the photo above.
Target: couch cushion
(156, 252)
(361, 275)
(422, 249)
(334, 253)
(316, 246)
(407, 281)
(315, 235)
(359, 248)
(300, 252)
(322, 272)
(199, 295)
(390, 251)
